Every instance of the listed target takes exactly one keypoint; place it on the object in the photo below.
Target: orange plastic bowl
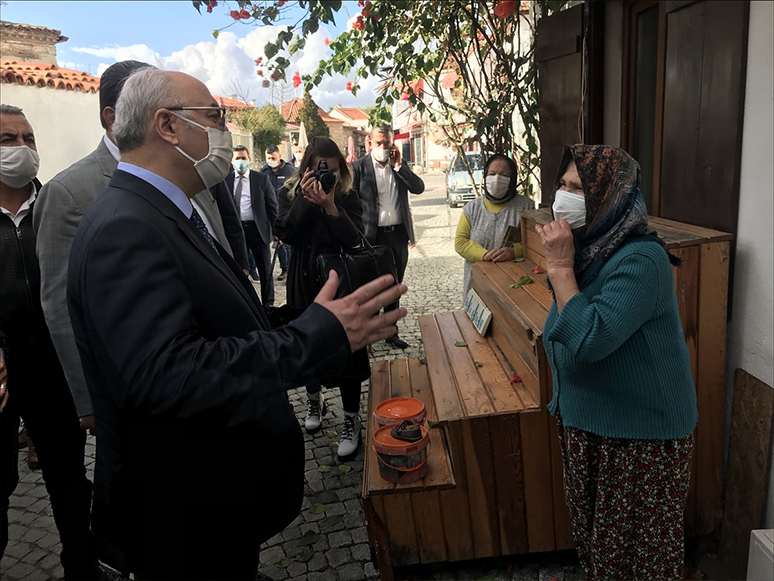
(401, 461)
(394, 411)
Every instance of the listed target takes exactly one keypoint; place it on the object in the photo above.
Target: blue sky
(175, 36)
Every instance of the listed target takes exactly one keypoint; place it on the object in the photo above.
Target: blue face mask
(241, 166)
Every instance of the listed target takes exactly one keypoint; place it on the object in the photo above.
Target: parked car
(459, 189)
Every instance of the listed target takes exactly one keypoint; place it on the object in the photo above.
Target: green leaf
(197, 4)
(305, 555)
(270, 50)
(284, 562)
(319, 508)
(324, 469)
(357, 490)
(344, 468)
(460, 344)
(518, 259)
(308, 538)
(215, 33)
(423, 361)
(330, 521)
(331, 433)
(521, 282)
(433, 424)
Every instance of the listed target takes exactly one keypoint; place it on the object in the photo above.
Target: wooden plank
(686, 289)
(711, 362)
(454, 503)
(539, 289)
(378, 537)
(704, 234)
(380, 391)
(431, 537)
(534, 243)
(401, 528)
(509, 483)
(530, 390)
(540, 216)
(530, 309)
(535, 452)
(535, 257)
(447, 400)
(474, 397)
(562, 526)
(439, 473)
(493, 377)
(749, 466)
(400, 386)
(480, 486)
(676, 238)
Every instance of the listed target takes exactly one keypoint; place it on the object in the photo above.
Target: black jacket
(365, 184)
(176, 349)
(263, 200)
(30, 354)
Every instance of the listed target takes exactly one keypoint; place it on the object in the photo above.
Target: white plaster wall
(750, 344)
(611, 129)
(66, 123)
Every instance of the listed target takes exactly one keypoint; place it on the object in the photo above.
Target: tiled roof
(47, 75)
(291, 108)
(353, 112)
(230, 103)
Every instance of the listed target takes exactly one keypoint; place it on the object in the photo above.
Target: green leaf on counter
(344, 468)
(324, 469)
(319, 508)
(460, 344)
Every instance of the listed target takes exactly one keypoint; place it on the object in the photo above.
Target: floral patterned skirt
(627, 500)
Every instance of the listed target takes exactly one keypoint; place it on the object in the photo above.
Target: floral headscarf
(615, 207)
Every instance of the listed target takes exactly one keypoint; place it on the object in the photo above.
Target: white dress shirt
(112, 147)
(387, 199)
(24, 209)
(245, 203)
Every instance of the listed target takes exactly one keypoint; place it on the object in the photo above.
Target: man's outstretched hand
(358, 312)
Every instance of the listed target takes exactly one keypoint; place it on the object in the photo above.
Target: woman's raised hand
(558, 245)
(314, 193)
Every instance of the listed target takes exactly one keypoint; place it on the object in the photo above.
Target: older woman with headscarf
(623, 396)
(485, 220)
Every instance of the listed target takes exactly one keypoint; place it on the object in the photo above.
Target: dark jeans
(397, 240)
(283, 254)
(262, 254)
(350, 394)
(49, 415)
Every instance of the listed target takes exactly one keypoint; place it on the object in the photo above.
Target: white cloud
(222, 63)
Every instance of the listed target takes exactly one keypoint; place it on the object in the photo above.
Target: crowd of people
(126, 310)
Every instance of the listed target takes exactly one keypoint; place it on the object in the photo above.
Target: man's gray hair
(144, 93)
(385, 128)
(11, 110)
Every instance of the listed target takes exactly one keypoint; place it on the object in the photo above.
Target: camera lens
(327, 181)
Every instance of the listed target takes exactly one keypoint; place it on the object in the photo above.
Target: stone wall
(22, 42)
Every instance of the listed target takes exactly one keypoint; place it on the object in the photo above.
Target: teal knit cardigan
(617, 353)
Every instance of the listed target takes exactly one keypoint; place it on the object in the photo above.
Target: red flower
(349, 85)
(260, 73)
(361, 3)
(296, 79)
(244, 14)
(211, 5)
(368, 4)
(235, 14)
(258, 61)
(282, 2)
(378, 17)
(327, 41)
(366, 12)
(505, 7)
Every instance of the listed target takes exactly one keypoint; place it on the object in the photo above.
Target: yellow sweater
(470, 250)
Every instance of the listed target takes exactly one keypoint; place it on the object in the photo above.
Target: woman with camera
(320, 212)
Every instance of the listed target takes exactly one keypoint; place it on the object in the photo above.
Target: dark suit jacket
(264, 202)
(232, 223)
(365, 184)
(197, 440)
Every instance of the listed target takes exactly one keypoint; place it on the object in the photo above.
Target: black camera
(326, 177)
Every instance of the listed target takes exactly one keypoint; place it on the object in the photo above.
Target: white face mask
(570, 207)
(497, 186)
(299, 156)
(381, 155)
(216, 165)
(272, 164)
(18, 165)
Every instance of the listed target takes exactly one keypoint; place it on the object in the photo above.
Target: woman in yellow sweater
(485, 220)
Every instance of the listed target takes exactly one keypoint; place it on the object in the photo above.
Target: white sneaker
(350, 437)
(315, 410)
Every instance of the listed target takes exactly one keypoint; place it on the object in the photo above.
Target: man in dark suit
(256, 202)
(383, 182)
(278, 172)
(176, 347)
(232, 224)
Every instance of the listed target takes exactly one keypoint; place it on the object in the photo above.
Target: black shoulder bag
(357, 266)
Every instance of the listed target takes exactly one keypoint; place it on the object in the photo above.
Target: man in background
(383, 182)
(279, 171)
(37, 391)
(256, 201)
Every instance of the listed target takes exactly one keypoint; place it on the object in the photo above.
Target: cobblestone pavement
(328, 541)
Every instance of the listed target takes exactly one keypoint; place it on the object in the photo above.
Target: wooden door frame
(631, 10)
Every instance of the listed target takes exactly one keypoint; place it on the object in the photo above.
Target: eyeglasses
(221, 111)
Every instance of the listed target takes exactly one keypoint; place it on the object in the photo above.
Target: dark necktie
(201, 227)
(238, 194)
